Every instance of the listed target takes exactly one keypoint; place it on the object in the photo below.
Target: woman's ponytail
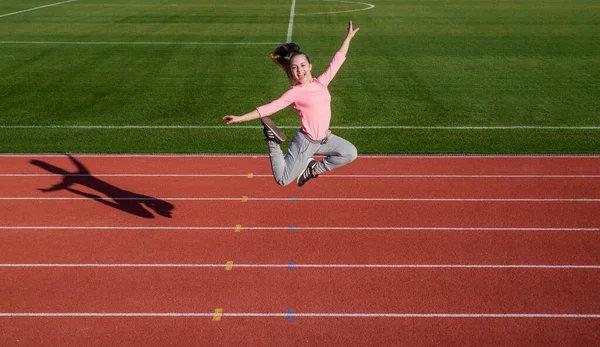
(281, 56)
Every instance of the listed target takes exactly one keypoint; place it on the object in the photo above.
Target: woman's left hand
(351, 30)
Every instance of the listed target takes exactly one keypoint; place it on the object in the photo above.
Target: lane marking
(228, 265)
(465, 176)
(217, 314)
(364, 156)
(292, 228)
(35, 8)
(307, 315)
(291, 23)
(291, 265)
(328, 175)
(289, 314)
(369, 6)
(140, 43)
(295, 199)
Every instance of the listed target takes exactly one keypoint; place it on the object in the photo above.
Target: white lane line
(369, 6)
(298, 199)
(291, 23)
(325, 266)
(340, 127)
(35, 8)
(141, 43)
(136, 175)
(307, 315)
(261, 155)
(325, 176)
(361, 156)
(284, 228)
(463, 176)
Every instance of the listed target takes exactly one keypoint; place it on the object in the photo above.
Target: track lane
(415, 214)
(315, 290)
(231, 331)
(470, 165)
(302, 247)
(521, 291)
(328, 187)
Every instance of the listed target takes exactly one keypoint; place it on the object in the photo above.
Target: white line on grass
(323, 266)
(298, 315)
(192, 43)
(291, 23)
(284, 228)
(298, 199)
(369, 6)
(35, 8)
(340, 127)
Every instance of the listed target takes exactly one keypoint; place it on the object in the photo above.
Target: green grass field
(440, 76)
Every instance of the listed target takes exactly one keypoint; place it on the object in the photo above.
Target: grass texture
(422, 76)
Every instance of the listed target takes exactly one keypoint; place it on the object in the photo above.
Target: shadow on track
(112, 196)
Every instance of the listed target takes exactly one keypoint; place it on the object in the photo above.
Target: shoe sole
(267, 122)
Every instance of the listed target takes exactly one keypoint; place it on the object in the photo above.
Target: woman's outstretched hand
(351, 30)
(231, 119)
(346, 44)
(239, 119)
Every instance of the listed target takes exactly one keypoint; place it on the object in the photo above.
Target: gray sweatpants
(286, 168)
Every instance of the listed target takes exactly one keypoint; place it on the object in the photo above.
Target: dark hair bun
(281, 55)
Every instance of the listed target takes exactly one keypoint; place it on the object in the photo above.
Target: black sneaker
(308, 173)
(272, 132)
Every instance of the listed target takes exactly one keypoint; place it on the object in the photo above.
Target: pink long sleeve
(312, 101)
(277, 105)
(334, 67)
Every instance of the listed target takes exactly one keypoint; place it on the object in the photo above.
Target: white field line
(298, 199)
(369, 6)
(141, 43)
(306, 315)
(317, 266)
(284, 228)
(342, 127)
(35, 8)
(291, 23)
(324, 176)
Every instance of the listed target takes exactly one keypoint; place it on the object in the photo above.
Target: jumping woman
(311, 99)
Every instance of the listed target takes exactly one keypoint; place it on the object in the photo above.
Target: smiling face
(301, 68)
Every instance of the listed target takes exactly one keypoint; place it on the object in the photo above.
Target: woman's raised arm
(351, 32)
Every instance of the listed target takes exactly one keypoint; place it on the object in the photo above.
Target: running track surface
(209, 250)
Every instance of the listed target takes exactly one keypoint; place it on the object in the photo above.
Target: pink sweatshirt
(312, 101)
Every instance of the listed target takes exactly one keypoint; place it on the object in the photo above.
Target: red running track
(386, 251)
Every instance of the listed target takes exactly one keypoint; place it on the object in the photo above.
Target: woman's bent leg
(286, 168)
(337, 151)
